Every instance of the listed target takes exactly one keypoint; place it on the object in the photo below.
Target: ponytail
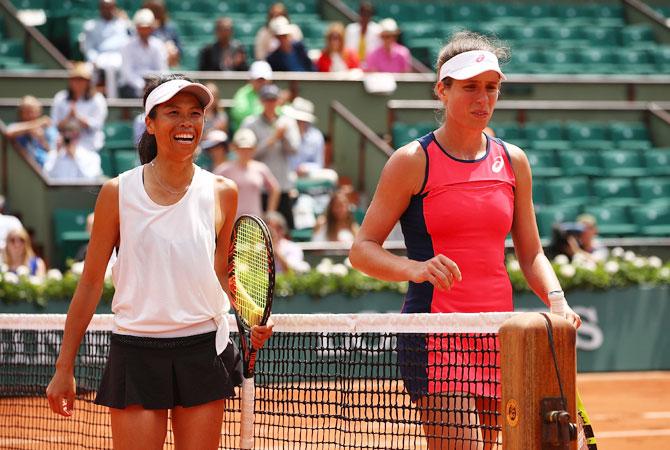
(147, 147)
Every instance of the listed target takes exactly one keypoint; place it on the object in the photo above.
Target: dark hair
(147, 146)
(466, 41)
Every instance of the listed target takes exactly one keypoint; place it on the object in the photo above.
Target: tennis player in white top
(170, 222)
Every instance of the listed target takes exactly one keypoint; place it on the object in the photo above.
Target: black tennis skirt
(161, 373)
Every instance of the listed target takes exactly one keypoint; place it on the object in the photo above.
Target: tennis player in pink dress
(457, 193)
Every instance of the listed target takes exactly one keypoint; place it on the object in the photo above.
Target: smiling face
(470, 103)
(177, 126)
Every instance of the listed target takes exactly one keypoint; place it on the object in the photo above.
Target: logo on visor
(498, 164)
(480, 58)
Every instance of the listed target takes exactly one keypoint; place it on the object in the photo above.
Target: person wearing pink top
(250, 176)
(390, 56)
(457, 193)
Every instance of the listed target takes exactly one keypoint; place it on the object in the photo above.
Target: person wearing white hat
(457, 193)
(144, 53)
(310, 156)
(252, 177)
(246, 101)
(390, 56)
(290, 55)
(171, 222)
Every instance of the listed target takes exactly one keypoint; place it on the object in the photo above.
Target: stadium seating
(69, 231)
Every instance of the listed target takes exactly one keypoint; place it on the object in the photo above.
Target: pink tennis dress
(464, 211)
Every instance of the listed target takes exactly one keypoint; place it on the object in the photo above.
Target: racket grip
(247, 414)
(557, 303)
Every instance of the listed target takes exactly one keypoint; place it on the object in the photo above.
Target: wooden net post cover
(529, 375)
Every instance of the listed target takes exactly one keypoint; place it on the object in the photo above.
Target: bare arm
(401, 178)
(20, 128)
(104, 237)
(272, 187)
(535, 266)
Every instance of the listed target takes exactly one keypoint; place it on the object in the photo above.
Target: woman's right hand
(440, 271)
(61, 391)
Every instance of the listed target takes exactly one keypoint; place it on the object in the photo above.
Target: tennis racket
(251, 279)
(585, 438)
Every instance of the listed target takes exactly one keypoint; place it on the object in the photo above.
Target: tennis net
(332, 381)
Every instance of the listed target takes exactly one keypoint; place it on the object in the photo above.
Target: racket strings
(251, 272)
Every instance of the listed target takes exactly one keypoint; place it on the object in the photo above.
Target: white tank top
(164, 277)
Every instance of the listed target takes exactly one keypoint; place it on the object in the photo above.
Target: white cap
(301, 109)
(260, 69)
(214, 138)
(469, 64)
(389, 26)
(169, 89)
(280, 26)
(244, 138)
(144, 18)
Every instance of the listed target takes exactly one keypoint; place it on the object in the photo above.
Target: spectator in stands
(335, 57)
(7, 223)
(165, 30)
(391, 56)
(278, 139)
(215, 144)
(72, 161)
(226, 53)
(79, 102)
(102, 40)
(142, 54)
(19, 255)
(338, 223)
(588, 241)
(215, 116)
(265, 41)
(245, 101)
(289, 257)
(363, 36)
(34, 131)
(252, 177)
(310, 159)
(290, 55)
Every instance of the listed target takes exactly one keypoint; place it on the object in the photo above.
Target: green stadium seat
(189, 58)
(465, 12)
(125, 160)
(653, 220)
(580, 162)
(30, 4)
(69, 227)
(569, 36)
(546, 136)
(634, 60)
(10, 47)
(314, 186)
(107, 164)
(662, 59)
(398, 11)
(568, 191)
(599, 60)
(526, 60)
(404, 133)
(630, 135)
(588, 136)
(539, 190)
(196, 28)
(637, 35)
(431, 11)
(510, 132)
(547, 216)
(612, 220)
(562, 61)
(623, 163)
(654, 190)
(543, 163)
(604, 37)
(118, 135)
(615, 191)
(657, 161)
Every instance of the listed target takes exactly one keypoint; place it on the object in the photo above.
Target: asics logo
(498, 164)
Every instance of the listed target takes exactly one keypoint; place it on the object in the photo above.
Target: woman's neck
(175, 174)
(460, 142)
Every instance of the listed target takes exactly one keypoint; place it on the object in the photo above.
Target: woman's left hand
(572, 317)
(261, 333)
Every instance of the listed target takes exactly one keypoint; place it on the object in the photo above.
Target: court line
(656, 415)
(648, 415)
(631, 433)
(596, 376)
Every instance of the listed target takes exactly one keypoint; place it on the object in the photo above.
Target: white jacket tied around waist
(164, 277)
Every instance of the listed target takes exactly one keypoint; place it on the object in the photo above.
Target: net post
(528, 376)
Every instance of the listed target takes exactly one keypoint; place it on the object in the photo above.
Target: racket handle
(247, 414)
(557, 303)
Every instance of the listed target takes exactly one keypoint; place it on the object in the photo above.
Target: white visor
(470, 64)
(169, 89)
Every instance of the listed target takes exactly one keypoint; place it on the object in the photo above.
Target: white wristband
(557, 303)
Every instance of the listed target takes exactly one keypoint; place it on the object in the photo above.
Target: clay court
(629, 410)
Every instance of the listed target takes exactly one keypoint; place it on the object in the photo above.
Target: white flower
(54, 274)
(655, 262)
(22, 271)
(664, 273)
(629, 256)
(567, 270)
(589, 265)
(325, 266)
(513, 266)
(77, 268)
(339, 269)
(617, 252)
(4, 268)
(11, 278)
(347, 263)
(578, 260)
(561, 260)
(639, 262)
(35, 280)
(611, 267)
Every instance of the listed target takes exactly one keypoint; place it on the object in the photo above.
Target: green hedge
(621, 269)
